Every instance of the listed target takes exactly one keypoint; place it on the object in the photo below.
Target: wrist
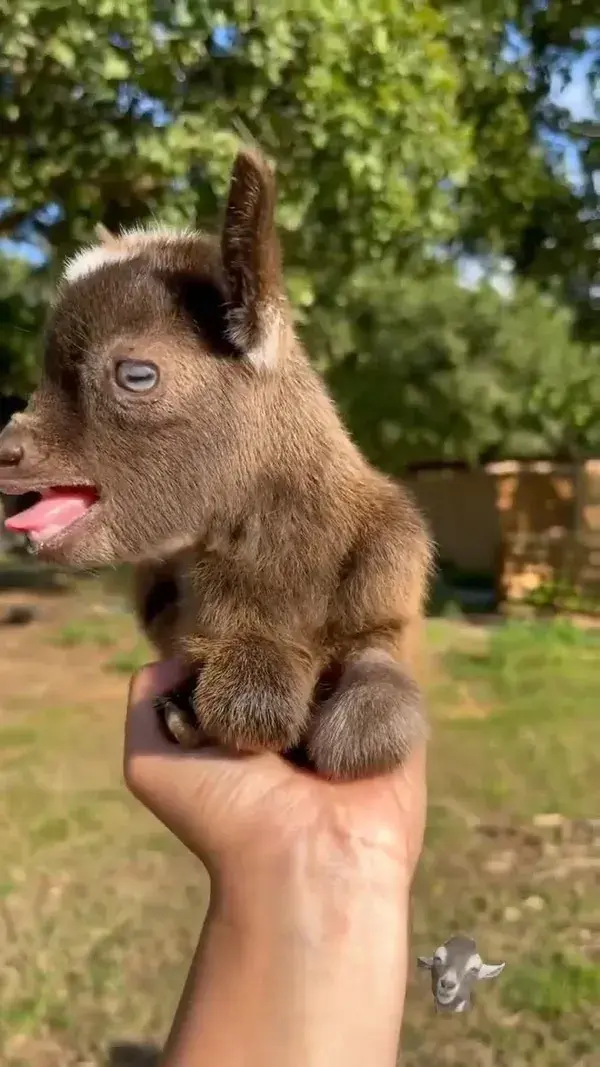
(294, 941)
(312, 881)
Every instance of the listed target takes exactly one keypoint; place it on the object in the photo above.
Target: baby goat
(180, 426)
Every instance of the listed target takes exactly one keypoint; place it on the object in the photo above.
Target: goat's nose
(11, 454)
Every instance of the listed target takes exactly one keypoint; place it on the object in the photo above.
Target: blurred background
(439, 176)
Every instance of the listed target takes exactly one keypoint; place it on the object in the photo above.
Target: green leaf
(115, 67)
(62, 52)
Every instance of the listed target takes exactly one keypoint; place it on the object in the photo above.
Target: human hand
(303, 959)
(248, 815)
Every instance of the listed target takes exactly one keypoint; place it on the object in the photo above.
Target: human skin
(302, 959)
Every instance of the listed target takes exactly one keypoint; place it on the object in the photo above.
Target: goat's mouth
(446, 996)
(59, 511)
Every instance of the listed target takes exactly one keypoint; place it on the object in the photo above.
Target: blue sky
(576, 96)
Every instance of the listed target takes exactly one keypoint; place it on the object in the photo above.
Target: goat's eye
(135, 376)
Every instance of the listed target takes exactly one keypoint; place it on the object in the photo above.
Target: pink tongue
(57, 509)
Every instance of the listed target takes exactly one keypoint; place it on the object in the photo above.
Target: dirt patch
(40, 664)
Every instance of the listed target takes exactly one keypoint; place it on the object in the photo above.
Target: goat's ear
(490, 970)
(425, 962)
(252, 261)
(105, 237)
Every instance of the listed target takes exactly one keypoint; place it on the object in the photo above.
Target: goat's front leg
(156, 602)
(251, 693)
(371, 722)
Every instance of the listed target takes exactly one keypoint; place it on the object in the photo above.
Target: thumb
(185, 789)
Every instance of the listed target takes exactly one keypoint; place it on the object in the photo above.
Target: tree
(428, 370)
(113, 110)
(532, 197)
(402, 130)
(21, 315)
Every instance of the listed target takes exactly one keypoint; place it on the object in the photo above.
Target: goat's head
(163, 361)
(455, 966)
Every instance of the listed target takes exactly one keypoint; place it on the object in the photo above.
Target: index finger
(142, 728)
(154, 679)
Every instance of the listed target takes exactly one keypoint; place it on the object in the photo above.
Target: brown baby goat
(180, 426)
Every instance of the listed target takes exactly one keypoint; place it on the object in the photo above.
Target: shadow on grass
(132, 1054)
(449, 600)
(19, 572)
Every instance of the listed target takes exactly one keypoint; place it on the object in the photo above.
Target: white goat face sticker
(455, 966)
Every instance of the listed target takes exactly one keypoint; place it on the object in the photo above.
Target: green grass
(129, 660)
(530, 748)
(85, 632)
(552, 986)
(538, 686)
(100, 907)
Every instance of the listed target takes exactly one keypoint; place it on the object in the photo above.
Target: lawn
(100, 909)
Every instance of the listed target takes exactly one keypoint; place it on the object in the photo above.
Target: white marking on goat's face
(126, 245)
(440, 956)
(89, 260)
(473, 965)
(447, 985)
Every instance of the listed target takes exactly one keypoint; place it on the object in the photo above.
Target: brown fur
(267, 549)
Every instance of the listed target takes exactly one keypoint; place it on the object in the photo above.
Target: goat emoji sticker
(455, 966)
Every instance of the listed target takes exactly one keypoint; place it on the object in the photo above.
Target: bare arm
(313, 978)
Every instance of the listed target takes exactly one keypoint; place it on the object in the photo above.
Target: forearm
(309, 982)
